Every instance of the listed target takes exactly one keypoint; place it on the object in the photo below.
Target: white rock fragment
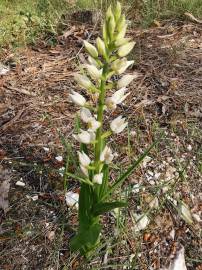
(145, 161)
(141, 222)
(189, 147)
(196, 217)
(179, 261)
(20, 184)
(136, 188)
(72, 199)
(59, 158)
(154, 203)
(172, 234)
(4, 69)
(35, 198)
(46, 149)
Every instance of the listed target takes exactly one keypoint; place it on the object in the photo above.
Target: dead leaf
(4, 188)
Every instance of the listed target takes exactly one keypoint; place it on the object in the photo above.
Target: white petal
(77, 98)
(85, 115)
(84, 159)
(118, 124)
(83, 81)
(93, 124)
(91, 49)
(93, 72)
(123, 68)
(98, 178)
(106, 155)
(126, 49)
(85, 137)
(121, 127)
(126, 80)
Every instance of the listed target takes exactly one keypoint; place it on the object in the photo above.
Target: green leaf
(125, 175)
(81, 180)
(102, 208)
(85, 206)
(86, 239)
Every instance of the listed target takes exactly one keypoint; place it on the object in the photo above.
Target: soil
(35, 119)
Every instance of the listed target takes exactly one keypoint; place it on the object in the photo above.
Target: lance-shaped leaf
(102, 208)
(130, 170)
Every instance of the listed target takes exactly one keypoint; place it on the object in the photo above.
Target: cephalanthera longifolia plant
(108, 58)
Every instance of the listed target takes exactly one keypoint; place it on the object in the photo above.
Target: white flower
(106, 155)
(120, 65)
(126, 49)
(84, 159)
(93, 71)
(85, 137)
(93, 124)
(72, 199)
(86, 117)
(126, 80)
(98, 178)
(91, 49)
(101, 46)
(118, 124)
(83, 81)
(116, 98)
(77, 98)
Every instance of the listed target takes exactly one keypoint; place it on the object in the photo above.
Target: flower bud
(121, 41)
(91, 49)
(117, 12)
(111, 26)
(93, 72)
(122, 33)
(101, 46)
(83, 81)
(109, 13)
(77, 98)
(104, 32)
(126, 49)
(118, 124)
(121, 23)
(98, 178)
(126, 80)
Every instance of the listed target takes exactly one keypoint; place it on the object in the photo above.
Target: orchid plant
(106, 59)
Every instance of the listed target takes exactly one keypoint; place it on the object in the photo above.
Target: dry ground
(34, 110)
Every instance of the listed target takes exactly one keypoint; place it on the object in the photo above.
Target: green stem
(98, 146)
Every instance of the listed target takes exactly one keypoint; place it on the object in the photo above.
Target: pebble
(59, 158)
(20, 184)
